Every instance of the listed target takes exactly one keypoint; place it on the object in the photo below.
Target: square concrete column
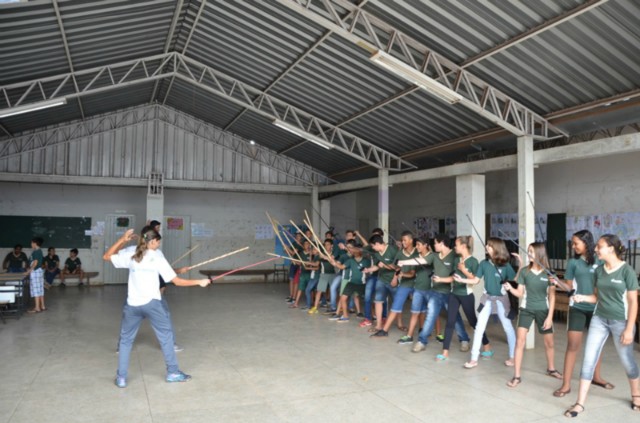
(325, 215)
(155, 207)
(315, 207)
(383, 202)
(470, 212)
(526, 214)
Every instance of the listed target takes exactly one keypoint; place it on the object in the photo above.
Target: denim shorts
(420, 300)
(402, 293)
(383, 290)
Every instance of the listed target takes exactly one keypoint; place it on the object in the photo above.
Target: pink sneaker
(365, 323)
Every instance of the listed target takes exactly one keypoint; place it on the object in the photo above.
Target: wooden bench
(87, 276)
(247, 272)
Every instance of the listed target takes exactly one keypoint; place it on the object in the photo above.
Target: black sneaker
(379, 334)
(361, 315)
(329, 312)
(335, 317)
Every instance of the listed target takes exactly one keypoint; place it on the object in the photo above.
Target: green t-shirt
(612, 291)
(72, 264)
(354, 272)
(536, 289)
(50, 262)
(308, 258)
(388, 257)
(583, 279)
(36, 255)
(424, 272)
(326, 268)
(494, 276)
(459, 288)
(442, 267)
(405, 281)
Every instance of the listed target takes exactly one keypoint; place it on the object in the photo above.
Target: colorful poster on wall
(175, 223)
(505, 225)
(625, 225)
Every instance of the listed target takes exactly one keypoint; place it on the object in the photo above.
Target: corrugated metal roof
(591, 56)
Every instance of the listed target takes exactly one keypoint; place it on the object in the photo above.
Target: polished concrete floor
(253, 359)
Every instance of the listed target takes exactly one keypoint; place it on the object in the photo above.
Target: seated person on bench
(16, 261)
(72, 266)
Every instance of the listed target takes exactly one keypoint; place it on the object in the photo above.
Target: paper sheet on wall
(625, 225)
(264, 232)
(201, 230)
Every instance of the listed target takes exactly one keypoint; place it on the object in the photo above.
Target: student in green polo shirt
(537, 294)
(383, 261)
(496, 271)
(616, 300)
(355, 280)
(305, 272)
(327, 273)
(580, 277)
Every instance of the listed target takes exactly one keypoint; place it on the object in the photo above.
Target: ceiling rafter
(167, 43)
(373, 35)
(67, 52)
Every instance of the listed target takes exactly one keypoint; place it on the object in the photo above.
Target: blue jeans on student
(49, 275)
(599, 331)
(132, 317)
(369, 293)
(436, 302)
(335, 290)
(13, 269)
(310, 287)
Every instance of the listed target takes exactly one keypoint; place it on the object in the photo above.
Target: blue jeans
(402, 293)
(335, 290)
(599, 331)
(158, 316)
(310, 287)
(49, 275)
(369, 293)
(436, 301)
(481, 326)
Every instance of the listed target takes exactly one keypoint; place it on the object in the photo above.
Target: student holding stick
(145, 263)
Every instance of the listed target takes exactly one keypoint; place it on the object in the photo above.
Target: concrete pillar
(315, 207)
(470, 208)
(526, 214)
(155, 207)
(383, 202)
(325, 216)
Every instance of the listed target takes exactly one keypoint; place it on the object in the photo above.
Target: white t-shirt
(143, 277)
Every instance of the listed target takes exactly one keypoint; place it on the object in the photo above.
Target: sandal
(559, 393)
(293, 306)
(509, 363)
(605, 385)
(515, 381)
(634, 406)
(554, 373)
(470, 364)
(571, 412)
(441, 357)
(403, 328)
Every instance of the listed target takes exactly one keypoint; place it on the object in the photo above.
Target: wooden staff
(216, 258)
(241, 268)
(275, 228)
(284, 231)
(289, 258)
(184, 255)
(303, 234)
(308, 222)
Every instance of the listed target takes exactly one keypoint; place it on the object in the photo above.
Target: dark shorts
(578, 320)
(353, 288)
(526, 317)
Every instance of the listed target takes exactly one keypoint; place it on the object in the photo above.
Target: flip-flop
(605, 385)
(510, 362)
(403, 328)
(470, 365)
(559, 393)
(514, 382)
(441, 357)
(573, 413)
(554, 373)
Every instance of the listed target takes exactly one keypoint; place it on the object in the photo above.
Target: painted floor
(254, 359)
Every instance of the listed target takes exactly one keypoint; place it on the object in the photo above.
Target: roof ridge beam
(516, 118)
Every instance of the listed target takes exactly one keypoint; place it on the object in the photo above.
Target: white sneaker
(464, 346)
(418, 346)
(177, 348)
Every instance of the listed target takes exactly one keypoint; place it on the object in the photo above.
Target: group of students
(602, 287)
(41, 270)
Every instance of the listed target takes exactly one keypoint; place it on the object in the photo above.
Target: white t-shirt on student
(143, 277)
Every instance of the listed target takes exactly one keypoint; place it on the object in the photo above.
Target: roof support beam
(373, 35)
(623, 144)
(186, 45)
(209, 79)
(67, 52)
(167, 43)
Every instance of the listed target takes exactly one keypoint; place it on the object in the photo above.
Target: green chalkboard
(58, 232)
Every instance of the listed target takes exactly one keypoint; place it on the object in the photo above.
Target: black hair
(154, 223)
(74, 250)
(376, 239)
(407, 233)
(351, 242)
(38, 241)
(613, 241)
(328, 233)
(442, 238)
(587, 237)
(50, 248)
(17, 246)
(378, 231)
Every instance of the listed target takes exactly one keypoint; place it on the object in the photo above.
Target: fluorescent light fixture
(416, 77)
(299, 132)
(252, 142)
(32, 107)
